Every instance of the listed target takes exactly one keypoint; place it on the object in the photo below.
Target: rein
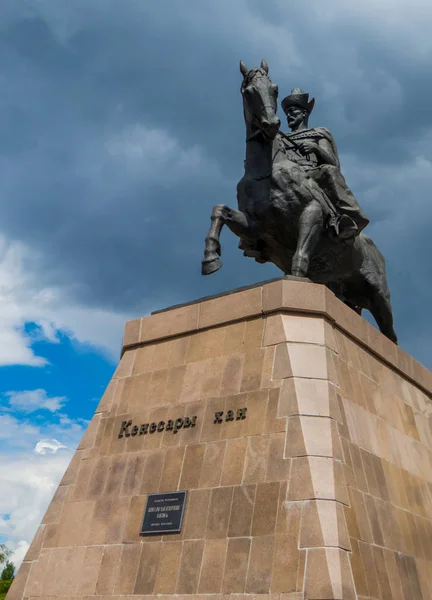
(294, 145)
(254, 135)
(286, 137)
(251, 138)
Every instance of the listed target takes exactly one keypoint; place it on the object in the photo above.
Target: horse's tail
(372, 249)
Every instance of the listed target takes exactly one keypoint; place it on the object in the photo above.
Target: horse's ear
(264, 66)
(243, 68)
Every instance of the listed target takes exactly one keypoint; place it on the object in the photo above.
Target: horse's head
(260, 100)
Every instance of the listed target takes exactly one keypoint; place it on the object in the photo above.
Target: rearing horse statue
(282, 215)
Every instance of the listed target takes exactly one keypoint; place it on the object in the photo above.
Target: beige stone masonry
(322, 492)
(280, 296)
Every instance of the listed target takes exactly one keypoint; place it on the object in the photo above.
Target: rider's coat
(328, 176)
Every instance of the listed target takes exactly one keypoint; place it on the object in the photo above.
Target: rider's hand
(307, 147)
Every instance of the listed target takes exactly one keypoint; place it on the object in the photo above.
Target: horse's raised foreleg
(310, 226)
(212, 251)
(237, 221)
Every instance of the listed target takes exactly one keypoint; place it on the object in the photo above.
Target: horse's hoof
(210, 266)
(299, 273)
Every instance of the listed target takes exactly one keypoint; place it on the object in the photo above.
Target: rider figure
(314, 150)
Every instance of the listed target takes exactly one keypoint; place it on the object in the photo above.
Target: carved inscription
(127, 428)
(220, 416)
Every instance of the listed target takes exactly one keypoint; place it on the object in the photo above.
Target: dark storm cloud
(81, 205)
(121, 126)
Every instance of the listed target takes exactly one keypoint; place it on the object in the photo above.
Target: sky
(121, 126)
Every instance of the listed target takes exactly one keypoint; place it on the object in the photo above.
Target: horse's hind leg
(376, 289)
(310, 226)
(381, 309)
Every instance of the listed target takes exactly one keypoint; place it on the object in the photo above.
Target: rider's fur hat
(298, 98)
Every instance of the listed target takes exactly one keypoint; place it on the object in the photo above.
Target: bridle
(255, 120)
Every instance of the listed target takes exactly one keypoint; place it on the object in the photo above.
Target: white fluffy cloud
(48, 446)
(28, 481)
(33, 460)
(33, 456)
(30, 400)
(15, 431)
(23, 301)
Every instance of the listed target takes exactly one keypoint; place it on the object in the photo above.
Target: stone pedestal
(303, 439)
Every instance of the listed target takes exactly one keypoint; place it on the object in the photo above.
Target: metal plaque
(164, 513)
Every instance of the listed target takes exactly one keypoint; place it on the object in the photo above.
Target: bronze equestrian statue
(294, 207)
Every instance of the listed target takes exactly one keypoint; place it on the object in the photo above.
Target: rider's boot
(346, 227)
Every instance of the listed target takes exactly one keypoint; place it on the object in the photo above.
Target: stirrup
(346, 227)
